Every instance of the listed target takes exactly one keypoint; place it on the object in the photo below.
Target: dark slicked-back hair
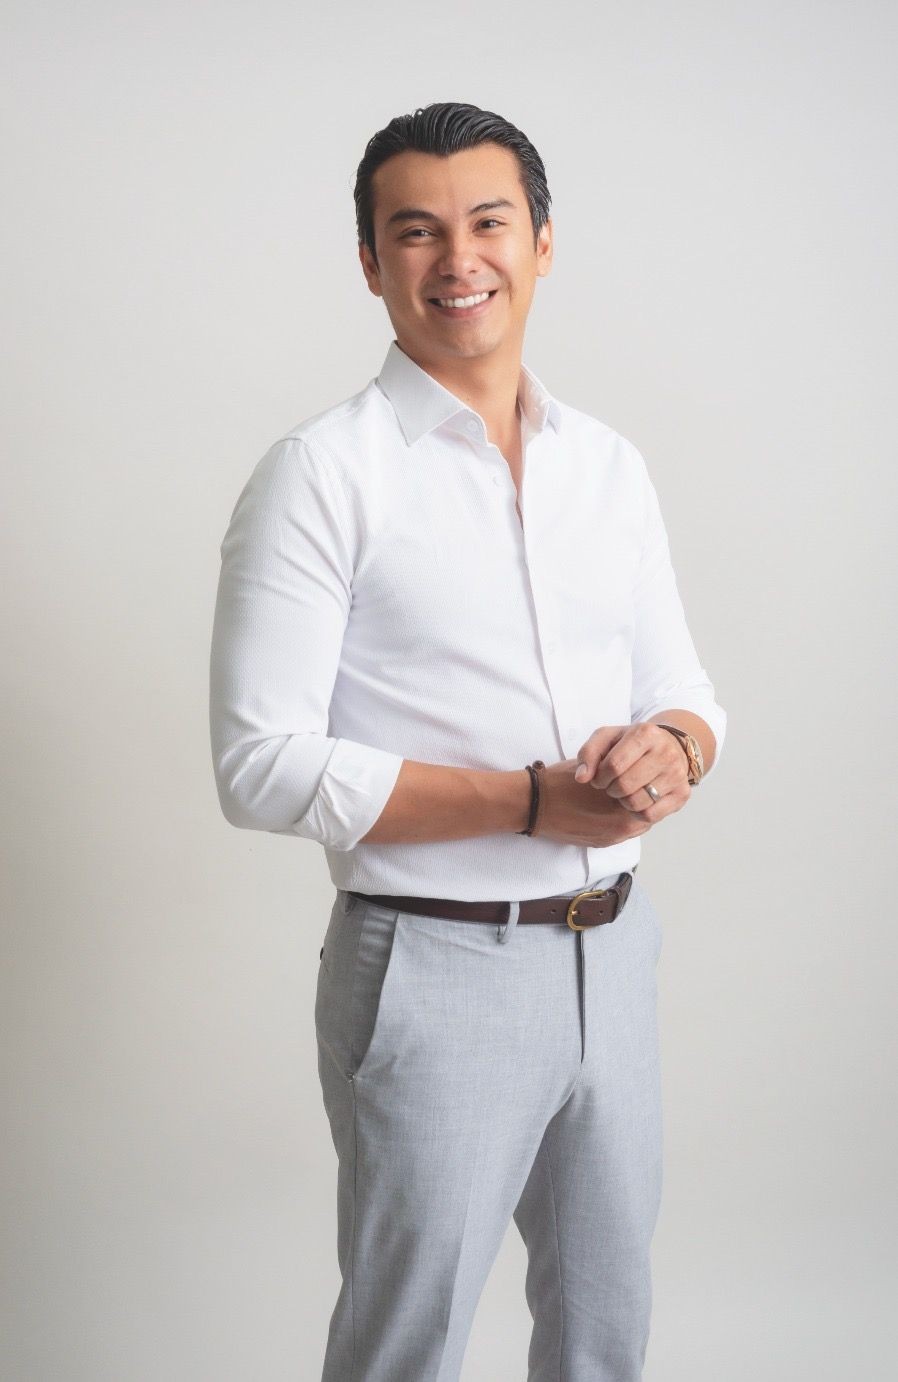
(444, 128)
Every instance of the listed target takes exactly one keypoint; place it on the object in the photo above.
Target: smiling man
(448, 646)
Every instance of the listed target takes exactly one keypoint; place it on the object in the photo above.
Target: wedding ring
(653, 792)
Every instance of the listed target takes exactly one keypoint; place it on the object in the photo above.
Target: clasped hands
(615, 763)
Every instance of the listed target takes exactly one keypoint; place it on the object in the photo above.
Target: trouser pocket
(374, 983)
(355, 982)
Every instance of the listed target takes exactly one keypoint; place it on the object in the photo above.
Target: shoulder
(314, 452)
(596, 442)
(333, 430)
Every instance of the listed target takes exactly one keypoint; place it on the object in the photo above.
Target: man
(437, 599)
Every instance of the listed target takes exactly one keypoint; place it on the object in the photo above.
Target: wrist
(522, 790)
(502, 800)
(537, 798)
(691, 748)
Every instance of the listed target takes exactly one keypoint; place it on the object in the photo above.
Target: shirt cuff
(355, 786)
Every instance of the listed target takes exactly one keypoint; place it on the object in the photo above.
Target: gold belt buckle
(572, 906)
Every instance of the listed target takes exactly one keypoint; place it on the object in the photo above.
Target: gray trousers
(472, 1073)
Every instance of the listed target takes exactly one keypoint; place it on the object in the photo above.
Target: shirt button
(473, 427)
(551, 645)
(497, 480)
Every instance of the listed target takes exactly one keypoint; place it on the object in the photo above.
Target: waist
(595, 905)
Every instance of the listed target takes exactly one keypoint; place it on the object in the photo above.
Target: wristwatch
(693, 752)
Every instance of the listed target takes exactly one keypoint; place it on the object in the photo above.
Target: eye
(491, 220)
(419, 230)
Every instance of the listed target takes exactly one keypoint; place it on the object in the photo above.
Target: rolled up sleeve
(667, 674)
(283, 601)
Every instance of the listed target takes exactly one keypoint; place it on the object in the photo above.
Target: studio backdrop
(182, 287)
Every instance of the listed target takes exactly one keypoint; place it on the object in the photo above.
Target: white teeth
(463, 302)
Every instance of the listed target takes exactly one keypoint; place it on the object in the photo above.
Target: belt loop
(506, 928)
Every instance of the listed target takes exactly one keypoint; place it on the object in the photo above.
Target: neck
(488, 384)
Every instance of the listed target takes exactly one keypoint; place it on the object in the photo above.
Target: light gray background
(181, 286)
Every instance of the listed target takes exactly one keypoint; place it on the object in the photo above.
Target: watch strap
(692, 751)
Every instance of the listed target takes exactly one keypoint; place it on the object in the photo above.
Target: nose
(459, 259)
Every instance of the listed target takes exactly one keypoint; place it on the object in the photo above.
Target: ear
(370, 270)
(544, 247)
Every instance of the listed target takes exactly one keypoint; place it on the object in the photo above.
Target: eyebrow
(415, 213)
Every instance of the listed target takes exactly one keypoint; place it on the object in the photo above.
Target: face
(455, 227)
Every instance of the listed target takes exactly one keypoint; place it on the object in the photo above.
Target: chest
(469, 556)
(514, 460)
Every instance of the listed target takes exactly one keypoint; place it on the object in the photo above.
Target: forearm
(432, 802)
(692, 724)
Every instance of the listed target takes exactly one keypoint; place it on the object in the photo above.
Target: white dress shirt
(381, 598)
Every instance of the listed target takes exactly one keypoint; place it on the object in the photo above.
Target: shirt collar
(422, 403)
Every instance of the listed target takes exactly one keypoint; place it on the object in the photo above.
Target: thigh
(617, 1100)
(602, 1150)
(590, 1205)
(439, 1003)
(443, 1055)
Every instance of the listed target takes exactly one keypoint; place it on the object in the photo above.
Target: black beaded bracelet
(534, 795)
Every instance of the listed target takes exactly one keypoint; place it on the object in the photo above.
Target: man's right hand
(576, 813)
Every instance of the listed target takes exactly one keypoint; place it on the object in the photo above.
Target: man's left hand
(622, 759)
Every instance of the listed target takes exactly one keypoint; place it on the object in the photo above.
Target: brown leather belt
(592, 907)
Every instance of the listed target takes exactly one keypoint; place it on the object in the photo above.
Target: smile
(463, 307)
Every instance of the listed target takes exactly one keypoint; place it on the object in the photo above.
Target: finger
(652, 766)
(596, 746)
(620, 757)
(666, 805)
(668, 785)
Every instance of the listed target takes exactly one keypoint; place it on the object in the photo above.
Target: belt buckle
(572, 907)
